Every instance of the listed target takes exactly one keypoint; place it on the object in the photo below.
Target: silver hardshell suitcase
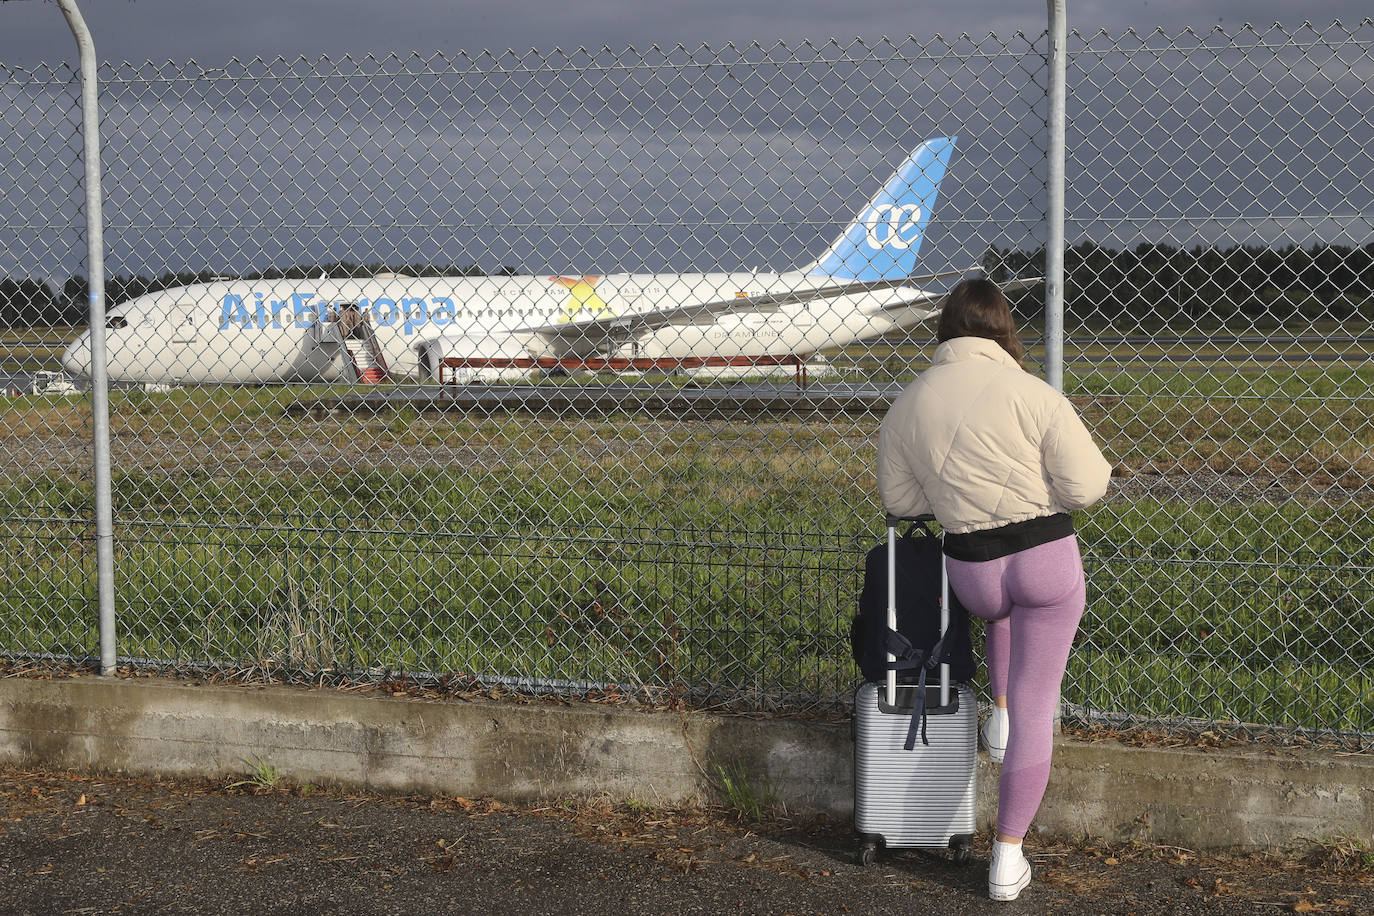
(927, 796)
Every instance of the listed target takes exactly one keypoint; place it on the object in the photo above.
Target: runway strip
(742, 400)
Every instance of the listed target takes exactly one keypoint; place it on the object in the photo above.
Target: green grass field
(723, 557)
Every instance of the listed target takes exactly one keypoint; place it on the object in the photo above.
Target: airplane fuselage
(244, 331)
(389, 326)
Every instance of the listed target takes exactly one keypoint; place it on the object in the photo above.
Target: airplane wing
(1020, 283)
(936, 301)
(593, 333)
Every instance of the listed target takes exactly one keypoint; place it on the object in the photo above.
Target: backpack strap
(899, 646)
(907, 659)
(929, 661)
(918, 526)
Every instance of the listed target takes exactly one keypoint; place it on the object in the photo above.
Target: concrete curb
(1200, 799)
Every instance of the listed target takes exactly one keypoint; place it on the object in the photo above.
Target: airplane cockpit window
(116, 322)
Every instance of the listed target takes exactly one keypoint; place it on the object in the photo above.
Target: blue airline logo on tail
(882, 243)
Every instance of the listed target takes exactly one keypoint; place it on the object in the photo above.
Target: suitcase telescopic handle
(892, 522)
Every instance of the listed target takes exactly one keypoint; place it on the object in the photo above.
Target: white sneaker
(1009, 872)
(994, 734)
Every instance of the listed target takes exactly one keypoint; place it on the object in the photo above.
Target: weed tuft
(751, 801)
(1344, 854)
(263, 777)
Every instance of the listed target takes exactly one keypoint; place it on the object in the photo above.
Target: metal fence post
(1054, 193)
(100, 393)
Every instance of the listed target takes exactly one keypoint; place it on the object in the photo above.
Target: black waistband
(977, 546)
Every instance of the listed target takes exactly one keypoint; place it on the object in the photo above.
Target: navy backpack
(918, 614)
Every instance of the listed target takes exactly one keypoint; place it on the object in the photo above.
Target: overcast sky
(33, 31)
(1190, 141)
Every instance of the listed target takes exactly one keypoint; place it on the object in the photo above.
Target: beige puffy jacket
(979, 442)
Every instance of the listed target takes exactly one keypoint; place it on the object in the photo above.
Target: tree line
(34, 303)
(1157, 282)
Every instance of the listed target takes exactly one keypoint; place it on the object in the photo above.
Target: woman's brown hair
(977, 308)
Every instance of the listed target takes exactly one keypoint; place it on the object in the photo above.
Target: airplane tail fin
(883, 240)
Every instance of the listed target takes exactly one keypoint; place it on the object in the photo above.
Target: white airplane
(466, 329)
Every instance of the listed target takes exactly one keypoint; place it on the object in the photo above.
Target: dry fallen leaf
(81, 801)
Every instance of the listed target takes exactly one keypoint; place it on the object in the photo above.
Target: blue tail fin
(883, 240)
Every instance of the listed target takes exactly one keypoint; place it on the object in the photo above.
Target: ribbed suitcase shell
(921, 797)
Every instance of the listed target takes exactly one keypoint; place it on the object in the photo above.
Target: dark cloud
(651, 160)
(33, 31)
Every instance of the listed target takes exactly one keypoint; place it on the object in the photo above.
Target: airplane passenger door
(183, 324)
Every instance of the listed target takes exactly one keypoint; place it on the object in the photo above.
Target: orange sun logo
(582, 298)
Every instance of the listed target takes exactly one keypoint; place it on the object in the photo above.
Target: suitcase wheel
(867, 853)
(963, 849)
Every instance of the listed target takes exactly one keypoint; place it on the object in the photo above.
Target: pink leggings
(1032, 602)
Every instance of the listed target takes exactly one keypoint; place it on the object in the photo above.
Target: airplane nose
(76, 360)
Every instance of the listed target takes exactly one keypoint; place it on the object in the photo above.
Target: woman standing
(999, 458)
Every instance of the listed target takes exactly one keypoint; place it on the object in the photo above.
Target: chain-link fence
(492, 366)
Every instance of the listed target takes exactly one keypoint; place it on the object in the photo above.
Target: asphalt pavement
(76, 843)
